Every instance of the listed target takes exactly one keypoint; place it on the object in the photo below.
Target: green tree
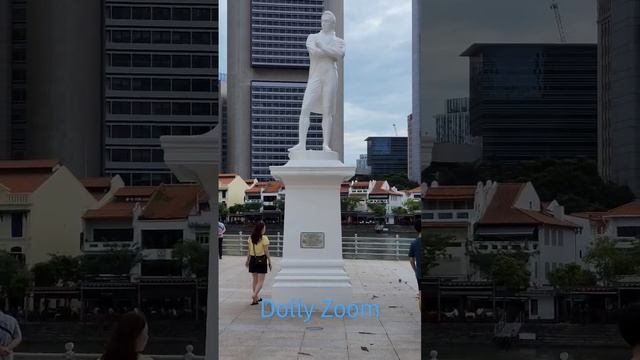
(413, 205)
(434, 249)
(610, 261)
(399, 210)
(192, 257)
(510, 272)
(279, 204)
(237, 208)
(253, 206)
(571, 275)
(58, 270)
(349, 203)
(14, 278)
(223, 211)
(377, 208)
(113, 262)
(576, 184)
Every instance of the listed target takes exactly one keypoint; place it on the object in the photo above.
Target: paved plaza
(395, 335)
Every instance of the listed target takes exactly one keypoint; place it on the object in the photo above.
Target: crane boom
(561, 30)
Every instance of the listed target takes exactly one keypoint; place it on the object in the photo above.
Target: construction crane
(395, 129)
(561, 30)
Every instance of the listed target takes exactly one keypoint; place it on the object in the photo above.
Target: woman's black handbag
(258, 260)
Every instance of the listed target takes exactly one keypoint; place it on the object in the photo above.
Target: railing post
(397, 248)
(189, 355)
(279, 242)
(433, 355)
(69, 354)
(355, 245)
(240, 242)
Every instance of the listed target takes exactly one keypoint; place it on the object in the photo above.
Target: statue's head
(328, 21)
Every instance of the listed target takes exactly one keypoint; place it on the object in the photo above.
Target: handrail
(355, 247)
(71, 355)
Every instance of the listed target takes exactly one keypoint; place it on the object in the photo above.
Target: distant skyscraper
(418, 82)
(619, 92)
(531, 101)
(161, 78)
(50, 82)
(453, 126)
(387, 155)
(361, 163)
(225, 123)
(268, 69)
(413, 149)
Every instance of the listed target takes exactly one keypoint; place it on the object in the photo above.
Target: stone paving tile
(396, 335)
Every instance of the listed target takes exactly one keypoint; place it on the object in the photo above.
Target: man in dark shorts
(415, 254)
(10, 335)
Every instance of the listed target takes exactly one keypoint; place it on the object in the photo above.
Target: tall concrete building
(452, 126)
(267, 70)
(619, 92)
(413, 149)
(161, 78)
(418, 78)
(50, 82)
(532, 101)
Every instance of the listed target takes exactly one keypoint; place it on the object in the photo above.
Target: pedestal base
(312, 265)
(323, 283)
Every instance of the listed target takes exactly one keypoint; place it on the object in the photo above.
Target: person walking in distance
(10, 335)
(415, 256)
(258, 259)
(129, 338)
(221, 230)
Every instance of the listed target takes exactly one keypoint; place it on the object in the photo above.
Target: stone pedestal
(312, 263)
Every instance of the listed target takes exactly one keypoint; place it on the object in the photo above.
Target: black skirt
(257, 268)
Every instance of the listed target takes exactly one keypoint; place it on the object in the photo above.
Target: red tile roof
(414, 190)
(626, 210)
(112, 210)
(23, 183)
(273, 187)
(360, 185)
(96, 182)
(458, 192)
(226, 179)
(344, 187)
(593, 215)
(135, 191)
(501, 210)
(171, 202)
(48, 165)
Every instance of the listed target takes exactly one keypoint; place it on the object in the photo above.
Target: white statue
(325, 49)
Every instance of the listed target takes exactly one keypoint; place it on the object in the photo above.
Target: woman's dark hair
(124, 339)
(256, 235)
(629, 324)
(417, 225)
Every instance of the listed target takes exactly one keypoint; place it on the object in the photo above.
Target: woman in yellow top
(258, 259)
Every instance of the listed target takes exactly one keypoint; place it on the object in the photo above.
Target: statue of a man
(325, 49)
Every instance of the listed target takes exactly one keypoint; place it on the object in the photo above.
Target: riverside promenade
(395, 335)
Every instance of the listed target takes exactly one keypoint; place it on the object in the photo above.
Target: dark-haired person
(10, 335)
(129, 338)
(629, 326)
(258, 259)
(415, 256)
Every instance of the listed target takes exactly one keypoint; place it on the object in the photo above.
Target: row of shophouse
(496, 217)
(45, 210)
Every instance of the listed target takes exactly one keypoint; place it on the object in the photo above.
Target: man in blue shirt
(415, 252)
(10, 335)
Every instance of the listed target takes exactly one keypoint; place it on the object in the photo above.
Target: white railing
(433, 355)
(15, 199)
(355, 247)
(71, 355)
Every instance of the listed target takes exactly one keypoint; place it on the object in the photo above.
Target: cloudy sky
(377, 80)
(378, 58)
(453, 25)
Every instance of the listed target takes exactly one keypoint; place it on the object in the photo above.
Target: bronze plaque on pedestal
(312, 240)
